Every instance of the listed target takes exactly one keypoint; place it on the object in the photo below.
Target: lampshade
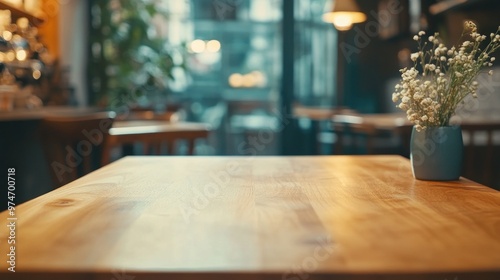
(344, 14)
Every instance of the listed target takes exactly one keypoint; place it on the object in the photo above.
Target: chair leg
(157, 148)
(171, 147)
(146, 148)
(369, 144)
(191, 146)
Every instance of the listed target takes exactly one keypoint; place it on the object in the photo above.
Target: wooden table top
(310, 217)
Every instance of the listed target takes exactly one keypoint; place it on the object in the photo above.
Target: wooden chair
(148, 114)
(360, 134)
(482, 153)
(353, 136)
(403, 132)
(73, 144)
(154, 134)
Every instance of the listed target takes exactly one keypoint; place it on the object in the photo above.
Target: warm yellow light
(7, 35)
(344, 20)
(37, 74)
(259, 78)
(2, 57)
(248, 80)
(344, 14)
(10, 56)
(198, 46)
(213, 46)
(23, 23)
(236, 80)
(21, 55)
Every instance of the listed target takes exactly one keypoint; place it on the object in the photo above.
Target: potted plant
(129, 61)
(430, 92)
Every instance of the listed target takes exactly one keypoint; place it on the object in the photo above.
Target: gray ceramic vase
(436, 153)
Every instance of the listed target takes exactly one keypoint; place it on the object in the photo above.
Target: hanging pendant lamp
(344, 14)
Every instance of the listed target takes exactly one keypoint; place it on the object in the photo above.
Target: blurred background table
(156, 136)
(343, 131)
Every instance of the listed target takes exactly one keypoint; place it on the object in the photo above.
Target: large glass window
(221, 61)
(233, 63)
(315, 55)
(233, 46)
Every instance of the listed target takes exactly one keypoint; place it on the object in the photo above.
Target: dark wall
(373, 60)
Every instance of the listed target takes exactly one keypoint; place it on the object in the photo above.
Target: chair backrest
(151, 115)
(482, 153)
(73, 144)
(353, 135)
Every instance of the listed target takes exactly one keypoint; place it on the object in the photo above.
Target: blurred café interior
(86, 82)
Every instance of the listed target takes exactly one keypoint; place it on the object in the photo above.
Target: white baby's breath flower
(448, 76)
(414, 56)
(395, 97)
(470, 26)
(490, 72)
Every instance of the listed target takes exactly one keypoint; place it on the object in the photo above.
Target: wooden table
(39, 113)
(153, 132)
(323, 217)
(394, 121)
(20, 147)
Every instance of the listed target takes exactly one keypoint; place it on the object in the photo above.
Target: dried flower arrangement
(442, 77)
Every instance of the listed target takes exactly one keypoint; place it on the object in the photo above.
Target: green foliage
(127, 60)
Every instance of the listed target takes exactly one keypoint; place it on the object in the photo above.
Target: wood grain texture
(351, 217)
